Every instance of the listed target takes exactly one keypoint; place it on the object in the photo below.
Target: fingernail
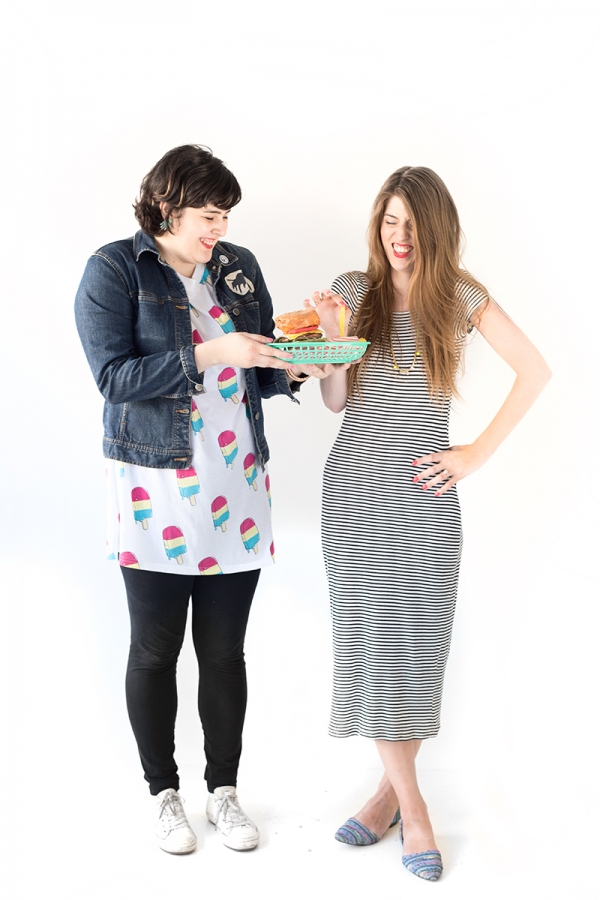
(414, 462)
(425, 486)
(437, 493)
(415, 479)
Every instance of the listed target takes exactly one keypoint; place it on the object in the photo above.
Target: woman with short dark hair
(177, 328)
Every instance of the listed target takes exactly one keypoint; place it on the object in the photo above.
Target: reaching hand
(329, 307)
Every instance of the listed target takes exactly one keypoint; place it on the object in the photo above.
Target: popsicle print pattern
(209, 566)
(247, 405)
(227, 384)
(250, 535)
(250, 472)
(197, 421)
(229, 447)
(221, 318)
(187, 482)
(128, 560)
(142, 506)
(220, 512)
(272, 551)
(174, 542)
(268, 488)
(218, 497)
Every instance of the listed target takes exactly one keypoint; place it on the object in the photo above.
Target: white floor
(514, 817)
(297, 855)
(98, 845)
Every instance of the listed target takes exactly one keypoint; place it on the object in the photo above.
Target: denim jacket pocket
(154, 425)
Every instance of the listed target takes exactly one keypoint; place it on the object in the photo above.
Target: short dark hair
(185, 176)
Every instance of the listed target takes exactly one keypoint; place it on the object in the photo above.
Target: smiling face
(195, 233)
(397, 236)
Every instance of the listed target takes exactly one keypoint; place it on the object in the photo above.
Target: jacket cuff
(289, 387)
(186, 354)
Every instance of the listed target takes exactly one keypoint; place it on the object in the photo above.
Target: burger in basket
(302, 325)
(304, 339)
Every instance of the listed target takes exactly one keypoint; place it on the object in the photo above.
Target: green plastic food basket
(324, 351)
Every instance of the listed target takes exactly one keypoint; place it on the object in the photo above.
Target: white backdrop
(312, 106)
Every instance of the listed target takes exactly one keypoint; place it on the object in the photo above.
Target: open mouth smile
(401, 251)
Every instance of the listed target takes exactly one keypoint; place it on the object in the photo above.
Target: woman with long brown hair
(391, 518)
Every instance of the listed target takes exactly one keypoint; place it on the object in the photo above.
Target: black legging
(158, 603)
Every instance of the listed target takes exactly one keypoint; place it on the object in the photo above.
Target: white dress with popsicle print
(215, 516)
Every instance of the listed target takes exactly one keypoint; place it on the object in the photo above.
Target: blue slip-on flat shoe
(427, 865)
(356, 834)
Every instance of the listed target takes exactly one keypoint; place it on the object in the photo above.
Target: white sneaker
(173, 829)
(237, 831)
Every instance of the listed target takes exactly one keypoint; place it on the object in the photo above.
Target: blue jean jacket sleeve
(106, 313)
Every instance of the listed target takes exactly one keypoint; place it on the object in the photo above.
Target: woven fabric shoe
(427, 865)
(356, 834)
(237, 831)
(173, 829)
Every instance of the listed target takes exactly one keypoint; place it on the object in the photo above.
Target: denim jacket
(133, 319)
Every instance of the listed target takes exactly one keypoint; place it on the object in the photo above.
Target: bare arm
(334, 390)
(532, 374)
(531, 370)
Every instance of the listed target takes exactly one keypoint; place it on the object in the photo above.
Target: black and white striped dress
(392, 550)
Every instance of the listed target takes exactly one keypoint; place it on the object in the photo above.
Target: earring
(166, 224)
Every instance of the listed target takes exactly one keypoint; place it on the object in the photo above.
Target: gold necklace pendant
(405, 371)
(395, 365)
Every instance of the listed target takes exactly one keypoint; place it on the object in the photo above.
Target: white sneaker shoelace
(230, 812)
(170, 813)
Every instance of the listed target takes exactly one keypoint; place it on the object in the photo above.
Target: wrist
(481, 451)
(206, 355)
(300, 376)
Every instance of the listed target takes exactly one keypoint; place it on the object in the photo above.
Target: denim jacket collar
(141, 242)
(220, 256)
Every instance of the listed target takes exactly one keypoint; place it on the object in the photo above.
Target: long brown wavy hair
(439, 321)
